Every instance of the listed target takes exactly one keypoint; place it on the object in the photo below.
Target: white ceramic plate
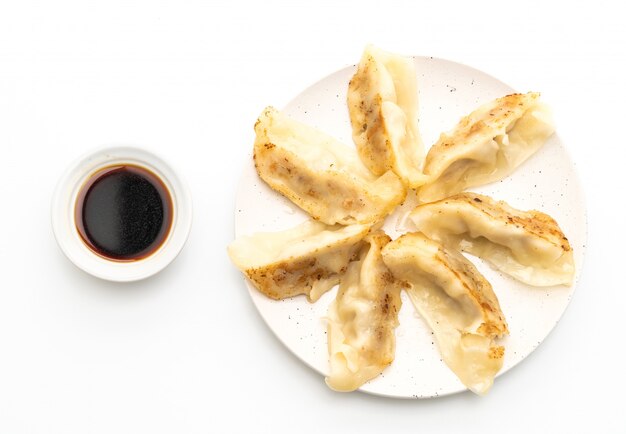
(547, 181)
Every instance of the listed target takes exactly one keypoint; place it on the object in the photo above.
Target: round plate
(547, 182)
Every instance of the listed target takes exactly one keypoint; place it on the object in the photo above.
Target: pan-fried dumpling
(529, 246)
(487, 145)
(458, 304)
(319, 174)
(382, 100)
(362, 319)
(308, 259)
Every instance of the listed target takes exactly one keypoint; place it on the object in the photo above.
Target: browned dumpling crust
(458, 304)
(382, 102)
(487, 145)
(528, 245)
(308, 259)
(362, 319)
(321, 175)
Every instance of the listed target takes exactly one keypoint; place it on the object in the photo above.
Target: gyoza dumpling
(458, 304)
(487, 145)
(382, 100)
(308, 259)
(529, 246)
(362, 319)
(319, 174)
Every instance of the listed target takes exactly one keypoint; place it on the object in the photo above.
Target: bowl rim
(63, 216)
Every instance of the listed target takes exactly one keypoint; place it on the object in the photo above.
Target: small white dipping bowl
(64, 221)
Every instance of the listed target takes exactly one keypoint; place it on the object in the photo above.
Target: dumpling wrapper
(487, 145)
(527, 245)
(319, 174)
(362, 319)
(307, 259)
(458, 304)
(382, 101)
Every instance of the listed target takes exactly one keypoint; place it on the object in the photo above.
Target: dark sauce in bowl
(124, 212)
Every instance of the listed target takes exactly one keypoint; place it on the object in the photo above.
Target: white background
(186, 351)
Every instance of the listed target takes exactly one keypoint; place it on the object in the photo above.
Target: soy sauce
(124, 212)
